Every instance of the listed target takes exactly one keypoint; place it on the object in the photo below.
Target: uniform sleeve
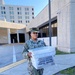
(25, 51)
(43, 43)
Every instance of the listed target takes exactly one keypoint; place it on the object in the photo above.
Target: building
(62, 23)
(1, 2)
(17, 14)
(7, 28)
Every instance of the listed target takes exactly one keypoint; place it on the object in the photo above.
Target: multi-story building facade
(17, 14)
(63, 23)
(1, 2)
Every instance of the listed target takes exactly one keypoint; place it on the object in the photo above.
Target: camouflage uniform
(30, 44)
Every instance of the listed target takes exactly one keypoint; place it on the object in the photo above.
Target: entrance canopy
(9, 25)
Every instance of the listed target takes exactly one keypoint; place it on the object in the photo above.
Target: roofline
(4, 24)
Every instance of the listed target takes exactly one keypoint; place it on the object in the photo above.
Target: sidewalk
(61, 62)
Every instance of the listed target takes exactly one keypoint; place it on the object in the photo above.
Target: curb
(12, 65)
(13, 44)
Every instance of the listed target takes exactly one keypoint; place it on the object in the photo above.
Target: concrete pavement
(10, 54)
(61, 62)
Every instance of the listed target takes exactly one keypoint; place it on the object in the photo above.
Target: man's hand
(29, 54)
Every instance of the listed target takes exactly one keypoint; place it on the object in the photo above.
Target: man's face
(34, 35)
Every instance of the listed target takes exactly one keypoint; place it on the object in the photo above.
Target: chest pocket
(40, 44)
(32, 45)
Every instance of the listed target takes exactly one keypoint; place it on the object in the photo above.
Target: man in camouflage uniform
(30, 44)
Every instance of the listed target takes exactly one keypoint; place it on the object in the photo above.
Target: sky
(37, 4)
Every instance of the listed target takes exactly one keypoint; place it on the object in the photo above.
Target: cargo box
(42, 56)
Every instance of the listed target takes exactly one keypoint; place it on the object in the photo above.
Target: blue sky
(38, 4)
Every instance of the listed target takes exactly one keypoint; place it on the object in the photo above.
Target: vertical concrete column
(26, 36)
(9, 38)
(64, 22)
(72, 26)
(17, 36)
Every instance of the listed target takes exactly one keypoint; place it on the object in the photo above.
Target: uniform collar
(34, 41)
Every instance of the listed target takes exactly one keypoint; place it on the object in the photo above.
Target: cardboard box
(42, 56)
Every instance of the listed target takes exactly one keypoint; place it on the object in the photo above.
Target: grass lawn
(60, 52)
(69, 71)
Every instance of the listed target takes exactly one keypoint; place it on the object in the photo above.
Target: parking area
(10, 54)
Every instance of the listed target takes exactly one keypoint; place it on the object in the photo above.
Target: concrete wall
(64, 28)
(64, 10)
(43, 16)
(64, 21)
(3, 36)
(53, 41)
(72, 26)
(26, 36)
(39, 19)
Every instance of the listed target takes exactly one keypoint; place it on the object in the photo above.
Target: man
(30, 44)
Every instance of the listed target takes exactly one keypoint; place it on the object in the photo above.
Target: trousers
(34, 71)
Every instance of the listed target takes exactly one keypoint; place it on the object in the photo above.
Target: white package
(42, 56)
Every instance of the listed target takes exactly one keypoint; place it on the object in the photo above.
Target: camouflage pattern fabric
(30, 44)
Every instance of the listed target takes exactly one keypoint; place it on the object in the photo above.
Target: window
(12, 21)
(33, 17)
(20, 21)
(32, 13)
(2, 8)
(11, 17)
(19, 8)
(11, 12)
(26, 13)
(5, 17)
(44, 31)
(19, 17)
(19, 13)
(26, 9)
(32, 9)
(3, 12)
(54, 29)
(10, 8)
(26, 17)
(27, 21)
